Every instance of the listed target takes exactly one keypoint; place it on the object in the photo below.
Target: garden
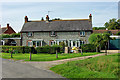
(44, 53)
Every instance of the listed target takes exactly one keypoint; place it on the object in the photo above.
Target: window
(37, 43)
(52, 33)
(30, 34)
(29, 43)
(52, 43)
(82, 33)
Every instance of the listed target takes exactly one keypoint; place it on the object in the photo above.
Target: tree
(96, 39)
(105, 39)
(118, 33)
(113, 24)
(99, 39)
(99, 28)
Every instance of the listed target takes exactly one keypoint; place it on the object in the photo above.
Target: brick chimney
(47, 18)
(90, 17)
(26, 19)
(8, 25)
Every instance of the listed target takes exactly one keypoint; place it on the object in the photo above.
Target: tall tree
(113, 24)
(96, 40)
(105, 39)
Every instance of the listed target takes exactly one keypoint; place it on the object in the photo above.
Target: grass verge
(43, 57)
(98, 67)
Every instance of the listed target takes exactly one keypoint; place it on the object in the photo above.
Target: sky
(14, 12)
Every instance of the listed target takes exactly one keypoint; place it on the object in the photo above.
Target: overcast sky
(14, 12)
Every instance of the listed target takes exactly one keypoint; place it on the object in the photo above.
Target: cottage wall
(60, 35)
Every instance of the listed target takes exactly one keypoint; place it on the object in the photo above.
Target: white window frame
(30, 43)
(83, 33)
(52, 33)
(30, 34)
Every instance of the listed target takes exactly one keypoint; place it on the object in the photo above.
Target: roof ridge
(58, 20)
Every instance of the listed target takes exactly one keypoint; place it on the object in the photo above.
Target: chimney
(26, 19)
(90, 17)
(42, 19)
(47, 18)
(8, 26)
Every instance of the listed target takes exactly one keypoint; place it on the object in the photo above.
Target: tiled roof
(57, 25)
(2, 30)
(102, 31)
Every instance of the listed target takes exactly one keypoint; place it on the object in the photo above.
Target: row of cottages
(50, 32)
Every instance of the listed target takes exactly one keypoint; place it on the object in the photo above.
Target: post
(56, 54)
(11, 54)
(30, 53)
(81, 52)
(106, 48)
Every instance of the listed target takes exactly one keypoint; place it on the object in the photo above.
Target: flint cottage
(72, 32)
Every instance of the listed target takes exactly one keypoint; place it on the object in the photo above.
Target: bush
(48, 49)
(44, 49)
(17, 49)
(118, 33)
(88, 48)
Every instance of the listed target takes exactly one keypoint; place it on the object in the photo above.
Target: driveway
(16, 69)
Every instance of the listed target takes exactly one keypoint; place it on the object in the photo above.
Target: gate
(114, 44)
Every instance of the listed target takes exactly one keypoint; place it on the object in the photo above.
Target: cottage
(7, 30)
(50, 32)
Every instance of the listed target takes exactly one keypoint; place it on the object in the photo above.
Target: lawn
(98, 67)
(43, 57)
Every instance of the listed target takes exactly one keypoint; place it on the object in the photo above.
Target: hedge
(88, 48)
(48, 49)
(26, 49)
(17, 49)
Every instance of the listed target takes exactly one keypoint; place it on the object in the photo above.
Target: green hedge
(26, 49)
(88, 48)
(16, 49)
(48, 49)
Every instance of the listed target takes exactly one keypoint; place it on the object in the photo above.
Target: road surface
(16, 69)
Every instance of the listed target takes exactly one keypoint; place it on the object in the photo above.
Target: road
(16, 69)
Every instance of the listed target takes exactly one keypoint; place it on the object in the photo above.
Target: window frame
(29, 35)
(82, 33)
(53, 34)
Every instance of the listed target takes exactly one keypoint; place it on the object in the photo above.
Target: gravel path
(45, 65)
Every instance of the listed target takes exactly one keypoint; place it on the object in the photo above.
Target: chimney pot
(47, 18)
(7, 25)
(90, 17)
(26, 19)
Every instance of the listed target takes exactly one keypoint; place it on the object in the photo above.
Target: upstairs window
(53, 33)
(30, 34)
(82, 33)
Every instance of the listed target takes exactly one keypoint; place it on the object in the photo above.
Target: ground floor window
(35, 43)
(29, 43)
(69, 43)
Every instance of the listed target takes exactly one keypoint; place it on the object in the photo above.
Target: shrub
(88, 48)
(48, 49)
(44, 49)
(17, 49)
(118, 33)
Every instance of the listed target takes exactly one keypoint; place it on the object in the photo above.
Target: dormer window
(30, 34)
(53, 33)
(82, 33)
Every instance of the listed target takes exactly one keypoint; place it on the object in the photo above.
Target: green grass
(43, 57)
(98, 67)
